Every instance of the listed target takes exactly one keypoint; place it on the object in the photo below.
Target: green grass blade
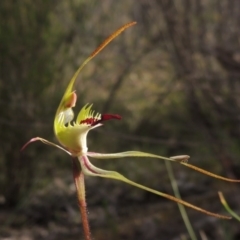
(180, 206)
(226, 206)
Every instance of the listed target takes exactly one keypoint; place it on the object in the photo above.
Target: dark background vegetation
(174, 78)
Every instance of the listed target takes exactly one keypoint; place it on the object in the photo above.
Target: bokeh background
(175, 80)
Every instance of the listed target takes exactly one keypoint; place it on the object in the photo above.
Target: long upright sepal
(69, 89)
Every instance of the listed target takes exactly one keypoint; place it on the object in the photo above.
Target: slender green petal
(89, 169)
(182, 159)
(45, 142)
(132, 154)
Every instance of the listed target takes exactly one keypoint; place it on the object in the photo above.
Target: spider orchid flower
(72, 135)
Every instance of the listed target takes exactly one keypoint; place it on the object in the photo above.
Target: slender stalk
(180, 206)
(80, 186)
(225, 204)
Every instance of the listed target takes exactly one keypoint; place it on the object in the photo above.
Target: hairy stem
(80, 186)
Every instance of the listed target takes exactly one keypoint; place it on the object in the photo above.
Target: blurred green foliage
(27, 61)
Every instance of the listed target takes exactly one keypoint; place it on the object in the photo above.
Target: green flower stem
(80, 186)
(180, 206)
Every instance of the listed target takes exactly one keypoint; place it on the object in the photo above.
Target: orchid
(72, 135)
